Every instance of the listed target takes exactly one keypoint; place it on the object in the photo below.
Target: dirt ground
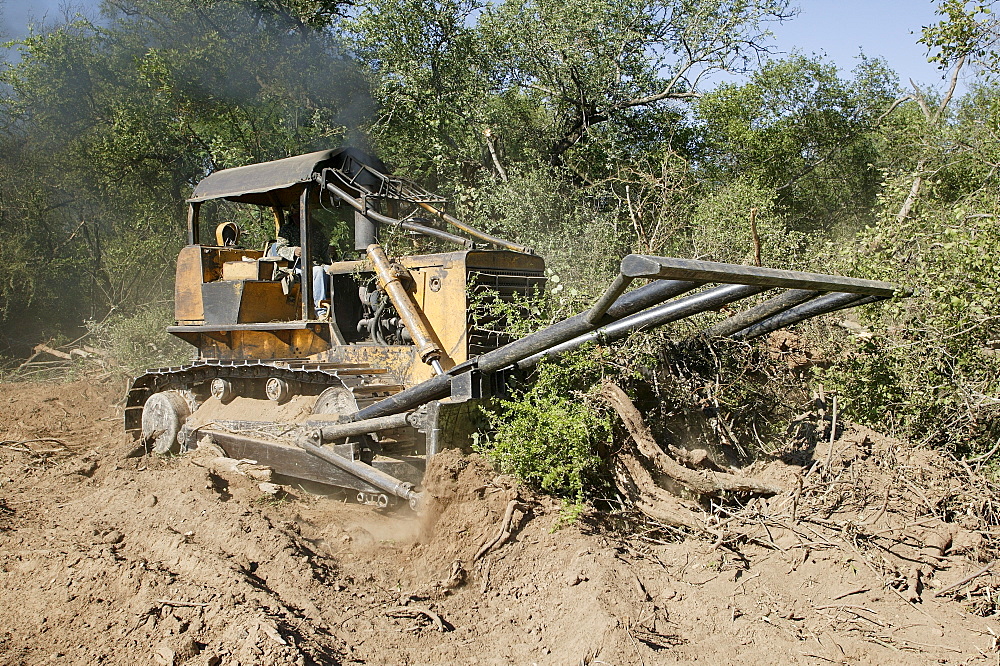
(112, 559)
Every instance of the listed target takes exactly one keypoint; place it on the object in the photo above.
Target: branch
(488, 135)
(659, 97)
(550, 92)
(919, 97)
(666, 94)
(892, 107)
(911, 196)
(951, 88)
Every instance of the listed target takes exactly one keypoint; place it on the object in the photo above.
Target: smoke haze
(17, 15)
(105, 131)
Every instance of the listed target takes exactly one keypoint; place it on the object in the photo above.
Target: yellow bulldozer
(359, 388)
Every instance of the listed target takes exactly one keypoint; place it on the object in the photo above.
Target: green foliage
(467, 86)
(929, 369)
(605, 64)
(569, 514)
(427, 64)
(550, 215)
(138, 340)
(549, 433)
(721, 228)
(932, 371)
(966, 30)
(800, 129)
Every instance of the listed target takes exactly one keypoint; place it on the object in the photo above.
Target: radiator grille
(489, 325)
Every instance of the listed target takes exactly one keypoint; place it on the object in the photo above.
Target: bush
(549, 433)
(931, 370)
(580, 241)
(721, 228)
(138, 340)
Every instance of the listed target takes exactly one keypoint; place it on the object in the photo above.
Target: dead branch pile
(907, 514)
(49, 361)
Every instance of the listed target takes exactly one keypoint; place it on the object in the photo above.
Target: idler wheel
(162, 417)
(336, 400)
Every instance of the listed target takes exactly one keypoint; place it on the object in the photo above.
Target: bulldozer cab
(247, 304)
(222, 295)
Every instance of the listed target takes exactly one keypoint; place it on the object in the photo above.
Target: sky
(838, 29)
(841, 29)
(16, 13)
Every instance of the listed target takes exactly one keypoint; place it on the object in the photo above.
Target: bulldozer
(358, 391)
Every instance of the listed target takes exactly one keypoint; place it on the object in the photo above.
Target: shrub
(138, 340)
(931, 370)
(549, 433)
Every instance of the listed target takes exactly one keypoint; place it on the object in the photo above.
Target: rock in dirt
(175, 651)
(271, 489)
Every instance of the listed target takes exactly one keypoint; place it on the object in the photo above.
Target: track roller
(278, 390)
(222, 390)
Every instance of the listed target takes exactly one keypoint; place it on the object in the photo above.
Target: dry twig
(967, 579)
(417, 611)
(189, 604)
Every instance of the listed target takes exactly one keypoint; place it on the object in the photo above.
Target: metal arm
(393, 222)
(616, 313)
(377, 185)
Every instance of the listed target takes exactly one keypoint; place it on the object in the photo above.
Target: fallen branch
(28, 362)
(856, 590)
(210, 456)
(95, 350)
(967, 579)
(223, 465)
(699, 481)
(22, 442)
(913, 586)
(189, 604)
(487, 568)
(22, 446)
(52, 352)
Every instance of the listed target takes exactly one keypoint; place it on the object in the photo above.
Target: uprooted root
(653, 501)
(702, 482)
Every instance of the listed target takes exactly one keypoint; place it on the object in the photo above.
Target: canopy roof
(276, 183)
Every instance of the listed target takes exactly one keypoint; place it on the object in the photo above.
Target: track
(367, 384)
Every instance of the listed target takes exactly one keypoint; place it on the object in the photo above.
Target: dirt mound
(106, 558)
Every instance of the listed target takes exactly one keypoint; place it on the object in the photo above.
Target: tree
(800, 129)
(932, 371)
(536, 79)
(967, 32)
(594, 63)
(427, 62)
